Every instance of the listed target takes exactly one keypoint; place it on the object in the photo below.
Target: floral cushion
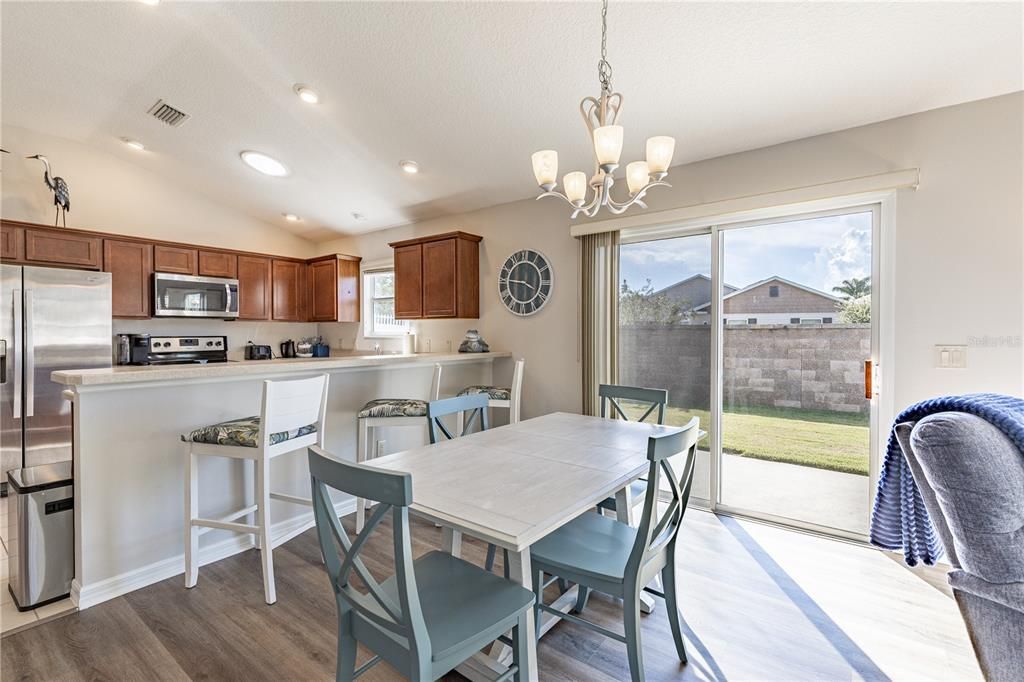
(493, 392)
(394, 407)
(243, 432)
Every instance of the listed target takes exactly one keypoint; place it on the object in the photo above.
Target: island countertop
(144, 374)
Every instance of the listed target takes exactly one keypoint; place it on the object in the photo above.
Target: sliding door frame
(882, 206)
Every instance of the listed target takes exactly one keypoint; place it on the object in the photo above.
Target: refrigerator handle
(30, 359)
(16, 350)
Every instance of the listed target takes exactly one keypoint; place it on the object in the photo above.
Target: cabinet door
(409, 282)
(12, 243)
(287, 277)
(174, 259)
(131, 267)
(348, 291)
(218, 264)
(323, 290)
(253, 288)
(439, 278)
(61, 248)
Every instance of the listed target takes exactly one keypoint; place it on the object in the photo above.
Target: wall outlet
(448, 345)
(379, 451)
(951, 357)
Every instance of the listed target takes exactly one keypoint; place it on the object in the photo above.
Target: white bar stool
(291, 418)
(389, 412)
(508, 398)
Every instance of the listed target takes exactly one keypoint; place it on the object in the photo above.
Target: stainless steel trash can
(41, 528)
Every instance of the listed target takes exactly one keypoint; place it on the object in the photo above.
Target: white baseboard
(85, 596)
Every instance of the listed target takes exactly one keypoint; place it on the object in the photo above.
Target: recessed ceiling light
(291, 217)
(307, 94)
(410, 167)
(134, 144)
(358, 216)
(264, 164)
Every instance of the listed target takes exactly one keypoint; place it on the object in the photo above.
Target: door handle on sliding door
(30, 358)
(869, 379)
(16, 352)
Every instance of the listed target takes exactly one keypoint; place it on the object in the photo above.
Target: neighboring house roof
(768, 280)
(695, 290)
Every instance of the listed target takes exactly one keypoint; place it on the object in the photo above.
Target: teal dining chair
(600, 553)
(476, 405)
(434, 612)
(654, 400)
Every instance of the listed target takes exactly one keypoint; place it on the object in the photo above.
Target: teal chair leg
(346, 651)
(581, 599)
(634, 651)
(563, 585)
(538, 591)
(668, 581)
(519, 648)
(489, 564)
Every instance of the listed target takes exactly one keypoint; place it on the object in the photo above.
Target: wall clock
(524, 283)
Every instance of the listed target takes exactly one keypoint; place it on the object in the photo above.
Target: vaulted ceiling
(469, 90)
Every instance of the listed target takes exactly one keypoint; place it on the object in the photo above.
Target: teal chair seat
(443, 581)
(591, 545)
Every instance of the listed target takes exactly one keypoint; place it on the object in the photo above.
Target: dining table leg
(626, 513)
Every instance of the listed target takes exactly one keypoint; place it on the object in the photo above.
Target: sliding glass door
(762, 329)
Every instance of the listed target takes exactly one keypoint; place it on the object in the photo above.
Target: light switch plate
(951, 357)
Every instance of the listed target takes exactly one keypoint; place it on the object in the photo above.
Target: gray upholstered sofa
(971, 477)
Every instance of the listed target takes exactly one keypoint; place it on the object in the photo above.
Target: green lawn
(825, 440)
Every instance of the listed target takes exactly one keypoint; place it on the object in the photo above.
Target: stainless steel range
(145, 349)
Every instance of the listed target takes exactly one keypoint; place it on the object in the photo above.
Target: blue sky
(819, 253)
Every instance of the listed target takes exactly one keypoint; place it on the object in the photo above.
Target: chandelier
(601, 118)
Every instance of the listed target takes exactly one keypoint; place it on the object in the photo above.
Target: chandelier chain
(604, 69)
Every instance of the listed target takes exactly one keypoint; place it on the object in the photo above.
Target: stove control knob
(167, 344)
(218, 343)
(209, 343)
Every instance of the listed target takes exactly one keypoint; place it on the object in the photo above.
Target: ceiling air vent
(162, 111)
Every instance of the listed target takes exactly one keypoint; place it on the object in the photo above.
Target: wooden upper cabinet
(54, 247)
(174, 259)
(12, 242)
(334, 289)
(130, 264)
(409, 282)
(253, 288)
(438, 276)
(218, 264)
(289, 291)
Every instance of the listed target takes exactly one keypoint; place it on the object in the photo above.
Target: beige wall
(959, 246)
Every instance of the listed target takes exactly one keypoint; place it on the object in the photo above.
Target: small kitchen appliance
(288, 349)
(257, 352)
(177, 350)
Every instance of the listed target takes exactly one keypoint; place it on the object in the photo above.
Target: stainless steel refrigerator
(50, 319)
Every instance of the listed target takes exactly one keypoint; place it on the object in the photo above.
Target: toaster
(255, 352)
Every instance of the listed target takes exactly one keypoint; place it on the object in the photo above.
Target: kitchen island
(129, 457)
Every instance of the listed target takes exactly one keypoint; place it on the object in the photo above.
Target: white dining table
(514, 484)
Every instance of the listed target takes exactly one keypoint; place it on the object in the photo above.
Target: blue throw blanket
(899, 519)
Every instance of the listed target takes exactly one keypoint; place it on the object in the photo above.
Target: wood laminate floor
(759, 603)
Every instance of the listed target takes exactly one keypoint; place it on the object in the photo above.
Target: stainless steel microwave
(191, 296)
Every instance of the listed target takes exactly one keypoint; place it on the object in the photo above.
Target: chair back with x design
(475, 404)
(654, 399)
(377, 611)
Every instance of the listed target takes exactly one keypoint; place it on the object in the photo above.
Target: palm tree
(854, 288)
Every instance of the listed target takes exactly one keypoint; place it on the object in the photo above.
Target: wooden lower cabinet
(176, 260)
(53, 247)
(130, 264)
(254, 279)
(218, 264)
(289, 290)
(334, 289)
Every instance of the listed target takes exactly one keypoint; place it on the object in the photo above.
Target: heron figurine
(57, 185)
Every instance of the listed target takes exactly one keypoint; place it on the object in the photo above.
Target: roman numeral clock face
(524, 283)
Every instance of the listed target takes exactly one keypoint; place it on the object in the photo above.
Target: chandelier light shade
(659, 153)
(637, 176)
(575, 184)
(608, 145)
(600, 115)
(545, 167)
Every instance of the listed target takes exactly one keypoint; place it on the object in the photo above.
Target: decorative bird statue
(57, 185)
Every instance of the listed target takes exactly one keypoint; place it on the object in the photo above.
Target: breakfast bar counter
(129, 464)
